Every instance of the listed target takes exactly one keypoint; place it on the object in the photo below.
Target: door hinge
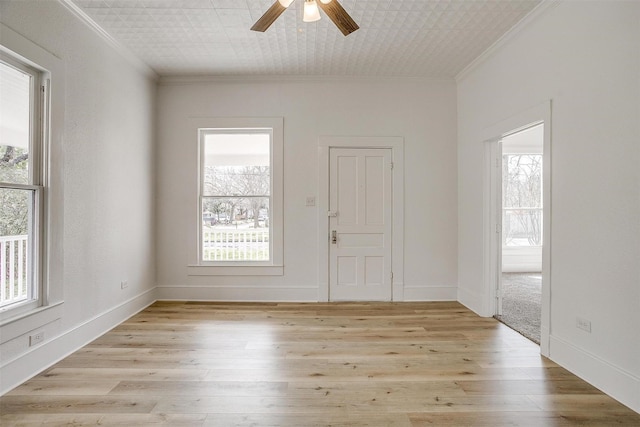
(498, 228)
(392, 165)
(392, 276)
(498, 162)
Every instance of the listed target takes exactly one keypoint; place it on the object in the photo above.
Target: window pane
(237, 165)
(522, 227)
(15, 226)
(236, 190)
(235, 229)
(14, 125)
(522, 181)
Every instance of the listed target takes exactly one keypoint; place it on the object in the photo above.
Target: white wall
(423, 112)
(107, 171)
(585, 56)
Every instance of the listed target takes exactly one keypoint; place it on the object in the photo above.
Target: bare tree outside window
(522, 199)
(13, 204)
(246, 184)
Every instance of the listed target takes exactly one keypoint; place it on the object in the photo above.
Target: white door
(360, 224)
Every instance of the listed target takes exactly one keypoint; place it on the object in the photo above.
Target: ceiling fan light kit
(311, 13)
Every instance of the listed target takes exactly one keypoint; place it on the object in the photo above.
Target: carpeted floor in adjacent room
(522, 294)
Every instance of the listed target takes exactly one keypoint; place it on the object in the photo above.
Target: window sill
(235, 270)
(22, 323)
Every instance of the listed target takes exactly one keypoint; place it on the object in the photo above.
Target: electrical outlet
(311, 200)
(124, 284)
(583, 324)
(36, 338)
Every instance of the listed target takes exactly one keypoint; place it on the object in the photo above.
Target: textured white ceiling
(417, 38)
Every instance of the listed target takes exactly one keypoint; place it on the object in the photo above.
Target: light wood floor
(404, 364)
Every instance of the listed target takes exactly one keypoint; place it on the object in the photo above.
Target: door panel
(347, 175)
(374, 198)
(347, 271)
(360, 196)
(374, 270)
(360, 240)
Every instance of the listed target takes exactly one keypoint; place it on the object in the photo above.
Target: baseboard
(237, 293)
(474, 302)
(20, 369)
(617, 383)
(286, 294)
(430, 293)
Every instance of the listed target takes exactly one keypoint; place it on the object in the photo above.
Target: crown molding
(116, 45)
(198, 79)
(544, 7)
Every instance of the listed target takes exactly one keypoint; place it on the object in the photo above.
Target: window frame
(275, 266)
(38, 124)
(17, 321)
(203, 133)
(540, 209)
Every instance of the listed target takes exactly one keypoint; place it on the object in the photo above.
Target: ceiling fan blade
(269, 16)
(339, 16)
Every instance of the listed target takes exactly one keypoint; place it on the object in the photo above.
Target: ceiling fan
(332, 8)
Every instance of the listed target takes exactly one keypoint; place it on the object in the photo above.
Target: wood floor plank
(329, 404)
(307, 420)
(592, 403)
(34, 404)
(68, 388)
(122, 420)
(519, 419)
(200, 388)
(79, 374)
(370, 390)
(527, 387)
(290, 364)
(336, 372)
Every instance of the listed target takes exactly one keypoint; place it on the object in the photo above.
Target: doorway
(493, 289)
(519, 285)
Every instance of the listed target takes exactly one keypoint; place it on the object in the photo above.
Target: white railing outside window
(13, 269)
(522, 226)
(235, 245)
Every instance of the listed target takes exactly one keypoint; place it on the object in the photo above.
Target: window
(240, 194)
(522, 199)
(22, 90)
(235, 201)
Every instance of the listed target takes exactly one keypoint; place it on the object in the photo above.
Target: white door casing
(492, 213)
(360, 224)
(396, 145)
(498, 243)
